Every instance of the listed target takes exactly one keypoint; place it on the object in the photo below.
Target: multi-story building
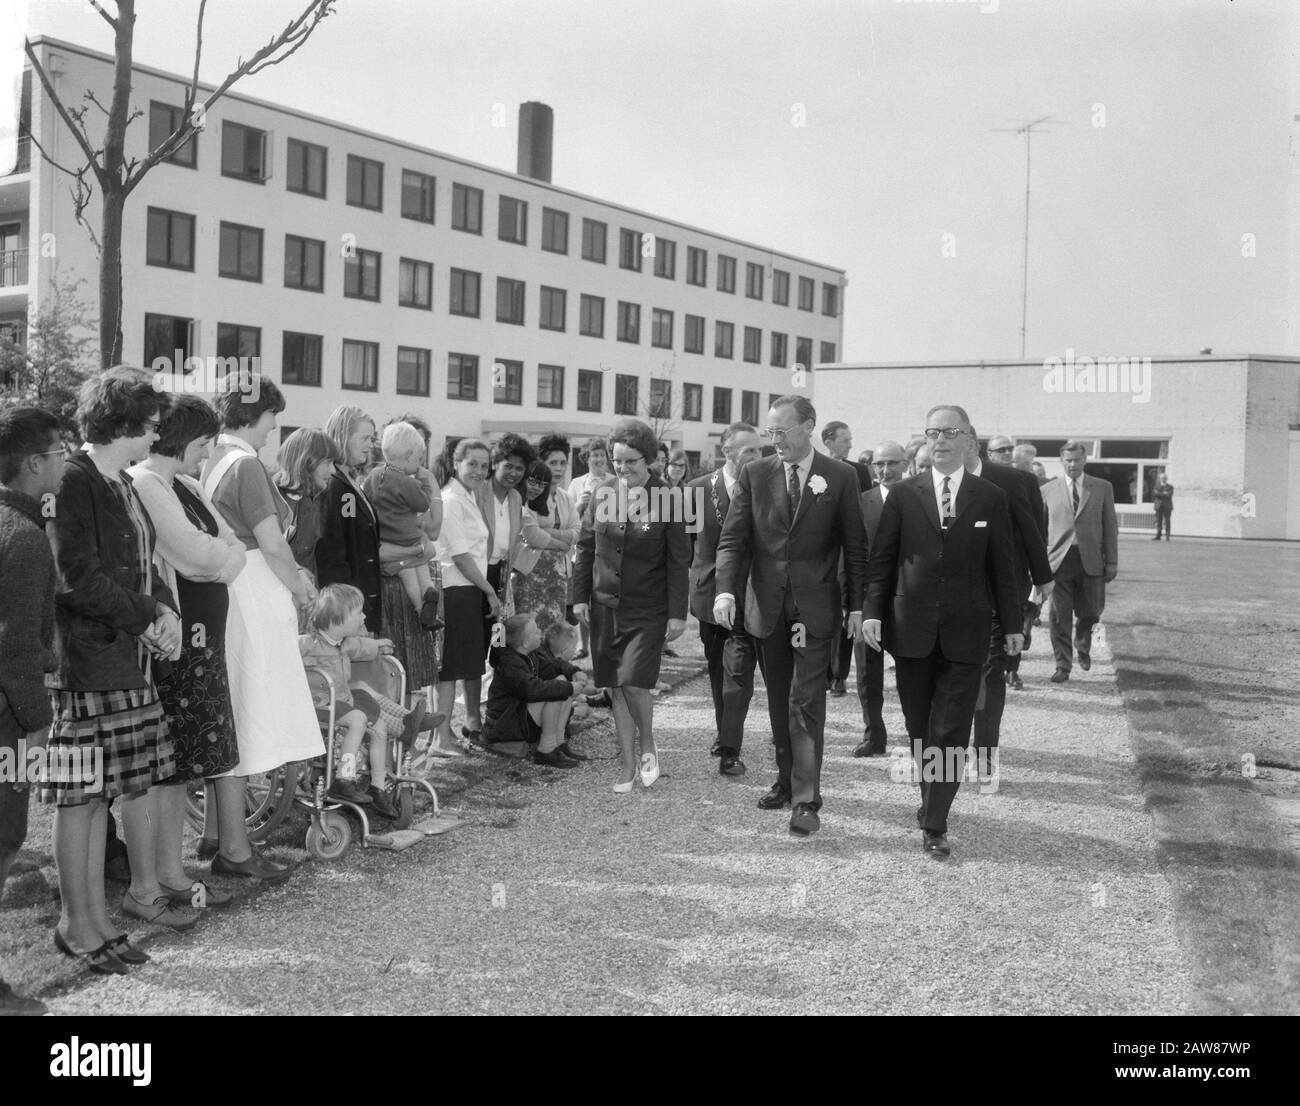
(363, 269)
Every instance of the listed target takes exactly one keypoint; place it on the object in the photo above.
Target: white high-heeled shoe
(624, 788)
(649, 769)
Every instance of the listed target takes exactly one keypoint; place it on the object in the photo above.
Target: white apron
(275, 721)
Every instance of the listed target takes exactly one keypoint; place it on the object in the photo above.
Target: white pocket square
(981, 522)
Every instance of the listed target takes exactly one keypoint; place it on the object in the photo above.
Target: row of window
(245, 155)
(170, 338)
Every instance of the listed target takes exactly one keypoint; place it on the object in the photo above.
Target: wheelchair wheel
(268, 797)
(405, 799)
(329, 838)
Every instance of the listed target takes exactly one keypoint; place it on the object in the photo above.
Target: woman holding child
(274, 720)
(630, 583)
(348, 549)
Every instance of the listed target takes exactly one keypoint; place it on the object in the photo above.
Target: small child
(408, 505)
(555, 658)
(522, 706)
(338, 620)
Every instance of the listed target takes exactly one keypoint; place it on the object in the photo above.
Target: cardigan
(347, 551)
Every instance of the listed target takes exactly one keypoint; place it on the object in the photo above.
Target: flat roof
(1037, 363)
(402, 144)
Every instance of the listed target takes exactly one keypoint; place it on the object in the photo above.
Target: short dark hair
(734, 429)
(951, 407)
(117, 403)
(831, 429)
(299, 455)
(24, 432)
(552, 443)
(189, 419)
(584, 451)
(245, 397)
(802, 406)
(1073, 446)
(513, 445)
(634, 434)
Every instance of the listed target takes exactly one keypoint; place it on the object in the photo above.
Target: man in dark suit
(1029, 549)
(792, 516)
(1083, 547)
(838, 440)
(890, 463)
(941, 562)
(729, 653)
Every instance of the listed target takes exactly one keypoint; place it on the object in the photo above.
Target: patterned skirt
(105, 744)
(418, 649)
(542, 592)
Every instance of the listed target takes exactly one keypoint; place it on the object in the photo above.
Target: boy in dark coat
(523, 707)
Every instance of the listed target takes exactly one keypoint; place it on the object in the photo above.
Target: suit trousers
(842, 660)
(796, 702)
(1163, 518)
(992, 699)
(871, 693)
(731, 656)
(938, 696)
(1077, 602)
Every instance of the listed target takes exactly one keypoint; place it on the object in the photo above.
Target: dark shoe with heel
(777, 798)
(255, 867)
(101, 961)
(804, 821)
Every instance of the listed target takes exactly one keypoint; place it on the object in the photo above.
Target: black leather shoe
(837, 688)
(935, 845)
(1016, 683)
(554, 759)
(1085, 661)
(569, 752)
(778, 798)
(869, 748)
(715, 750)
(804, 821)
(731, 765)
(255, 867)
(1060, 676)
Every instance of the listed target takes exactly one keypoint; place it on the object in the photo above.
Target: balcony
(24, 157)
(13, 268)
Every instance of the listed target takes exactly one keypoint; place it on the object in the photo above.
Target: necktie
(947, 503)
(1074, 494)
(794, 490)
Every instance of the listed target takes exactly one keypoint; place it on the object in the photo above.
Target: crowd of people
(162, 593)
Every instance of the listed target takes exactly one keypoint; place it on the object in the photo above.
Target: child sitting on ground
(409, 508)
(338, 622)
(523, 707)
(555, 658)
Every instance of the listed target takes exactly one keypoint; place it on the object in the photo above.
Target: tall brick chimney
(536, 129)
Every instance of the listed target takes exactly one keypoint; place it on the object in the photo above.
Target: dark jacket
(348, 549)
(712, 503)
(550, 667)
(515, 684)
(27, 582)
(98, 612)
(304, 530)
(1028, 520)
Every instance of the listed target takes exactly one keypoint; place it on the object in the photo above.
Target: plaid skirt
(111, 743)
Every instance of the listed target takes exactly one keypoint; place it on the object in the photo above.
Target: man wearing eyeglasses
(792, 517)
(942, 559)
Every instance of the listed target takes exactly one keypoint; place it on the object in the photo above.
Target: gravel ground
(559, 896)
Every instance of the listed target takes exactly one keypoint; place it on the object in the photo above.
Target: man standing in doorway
(1163, 494)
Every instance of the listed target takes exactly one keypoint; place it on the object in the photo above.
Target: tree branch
(193, 93)
(90, 95)
(50, 161)
(81, 196)
(111, 21)
(77, 131)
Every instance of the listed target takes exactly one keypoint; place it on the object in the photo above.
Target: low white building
(367, 270)
(1225, 428)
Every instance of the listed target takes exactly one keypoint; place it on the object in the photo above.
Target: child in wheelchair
(335, 641)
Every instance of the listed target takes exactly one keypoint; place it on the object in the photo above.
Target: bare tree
(662, 417)
(106, 163)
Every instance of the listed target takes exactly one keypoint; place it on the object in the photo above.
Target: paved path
(561, 897)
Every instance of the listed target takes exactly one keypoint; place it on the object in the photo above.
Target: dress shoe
(349, 791)
(1016, 683)
(1085, 661)
(101, 961)
(554, 759)
(383, 805)
(160, 912)
(190, 896)
(837, 688)
(121, 947)
(935, 845)
(601, 700)
(731, 765)
(868, 748)
(1060, 676)
(571, 753)
(255, 867)
(715, 750)
(804, 821)
(12, 1004)
(777, 798)
(625, 787)
(649, 769)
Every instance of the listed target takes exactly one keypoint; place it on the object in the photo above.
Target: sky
(862, 134)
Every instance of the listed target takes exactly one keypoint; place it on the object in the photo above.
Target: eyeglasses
(776, 434)
(627, 462)
(886, 464)
(62, 451)
(1003, 449)
(949, 432)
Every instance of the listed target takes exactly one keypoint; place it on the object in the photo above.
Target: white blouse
(463, 531)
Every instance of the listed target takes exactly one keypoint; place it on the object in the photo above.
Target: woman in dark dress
(348, 549)
(630, 582)
(199, 555)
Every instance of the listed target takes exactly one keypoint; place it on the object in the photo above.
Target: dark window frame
(457, 276)
(365, 164)
(370, 365)
(461, 207)
(307, 148)
(356, 264)
(465, 364)
(517, 304)
(629, 322)
(190, 147)
(722, 396)
(755, 356)
(518, 225)
(665, 258)
(428, 198)
(551, 219)
(590, 380)
(694, 255)
(721, 327)
(307, 343)
(701, 345)
(625, 383)
(807, 302)
(657, 316)
(263, 172)
(241, 228)
(417, 265)
(545, 293)
(172, 217)
(303, 242)
(692, 400)
(503, 394)
(629, 259)
(589, 238)
(542, 371)
(240, 331)
(585, 306)
(780, 287)
(726, 274)
(152, 320)
(423, 371)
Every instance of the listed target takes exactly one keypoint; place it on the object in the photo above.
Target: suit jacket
(1096, 525)
(641, 568)
(927, 587)
(866, 479)
(347, 551)
(803, 552)
(714, 504)
(1028, 524)
(515, 507)
(873, 503)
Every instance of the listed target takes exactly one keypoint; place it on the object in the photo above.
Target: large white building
(1224, 428)
(362, 269)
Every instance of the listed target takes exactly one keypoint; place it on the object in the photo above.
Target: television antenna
(1028, 128)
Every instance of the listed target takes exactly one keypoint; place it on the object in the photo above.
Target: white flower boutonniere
(817, 484)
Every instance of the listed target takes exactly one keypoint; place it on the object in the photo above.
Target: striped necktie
(794, 490)
(1074, 494)
(947, 503)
